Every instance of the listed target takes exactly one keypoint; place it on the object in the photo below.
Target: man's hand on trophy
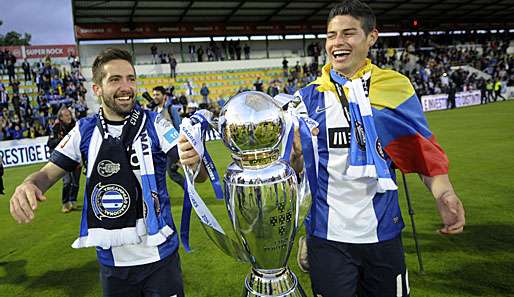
(189, 157)
(296, 152)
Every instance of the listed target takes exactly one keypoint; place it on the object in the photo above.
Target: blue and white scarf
(149, 229)
(366, 157)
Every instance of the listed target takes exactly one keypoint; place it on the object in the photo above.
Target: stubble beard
(111, 104)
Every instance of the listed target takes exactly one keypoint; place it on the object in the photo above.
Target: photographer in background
(169, 112)
(71, 180)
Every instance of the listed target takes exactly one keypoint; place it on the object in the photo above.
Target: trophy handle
(226, 244)
(222, 241)
(304, 197)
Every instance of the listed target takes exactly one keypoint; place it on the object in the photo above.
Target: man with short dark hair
(171, 114)
(126, 213)
(370, 121)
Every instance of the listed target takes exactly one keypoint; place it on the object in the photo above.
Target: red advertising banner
(41, 51)
(54, 51)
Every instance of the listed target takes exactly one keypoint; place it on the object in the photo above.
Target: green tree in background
(14, 38)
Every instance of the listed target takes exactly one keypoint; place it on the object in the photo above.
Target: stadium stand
(33, 93)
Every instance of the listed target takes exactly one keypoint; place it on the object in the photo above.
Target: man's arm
(24, 200)
(448, 203)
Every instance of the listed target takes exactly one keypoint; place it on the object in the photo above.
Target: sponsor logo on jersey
(171, 135)
(108, 168)
(109, 201)
(339, 137)
(320, 109)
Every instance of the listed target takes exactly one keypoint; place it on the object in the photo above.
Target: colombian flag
(399, 121)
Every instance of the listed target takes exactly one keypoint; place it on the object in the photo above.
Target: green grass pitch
(37, 260)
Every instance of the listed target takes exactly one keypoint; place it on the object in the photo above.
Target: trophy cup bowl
(265, 202)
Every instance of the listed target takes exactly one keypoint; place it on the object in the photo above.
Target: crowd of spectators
(33, 114)
(434, 68)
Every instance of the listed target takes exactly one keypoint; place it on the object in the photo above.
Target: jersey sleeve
(168, 135)
(67, 153)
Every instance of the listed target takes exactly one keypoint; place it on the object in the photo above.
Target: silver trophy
(265, 199)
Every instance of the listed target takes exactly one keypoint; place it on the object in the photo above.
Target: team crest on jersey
(380, 150)
(108, 168)
(360, 135)
(109, 201)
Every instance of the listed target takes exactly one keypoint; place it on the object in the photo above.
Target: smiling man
(126, 213)
(370, 122)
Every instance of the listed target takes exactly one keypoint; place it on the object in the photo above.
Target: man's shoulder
(151, 114)
(89, 121)
(309, 90)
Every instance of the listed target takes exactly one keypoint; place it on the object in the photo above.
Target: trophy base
(280, 283)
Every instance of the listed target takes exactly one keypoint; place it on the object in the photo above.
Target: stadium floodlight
(241, 38)
(196, 39)
(310, 36)
(153, 40)
(292, 37)
(275, 37)
(258, 37)
(322, 35)
(388, 34)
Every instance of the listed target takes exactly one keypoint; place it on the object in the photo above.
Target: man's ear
(97, 90)
(372, 37)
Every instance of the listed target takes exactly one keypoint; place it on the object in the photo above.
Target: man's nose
(340, 38)
(127, 84)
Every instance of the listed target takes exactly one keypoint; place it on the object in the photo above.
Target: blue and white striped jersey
(344, 209)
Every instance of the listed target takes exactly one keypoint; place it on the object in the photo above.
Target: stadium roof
(143, 19)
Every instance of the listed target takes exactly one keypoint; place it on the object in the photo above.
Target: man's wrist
(445, 193)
